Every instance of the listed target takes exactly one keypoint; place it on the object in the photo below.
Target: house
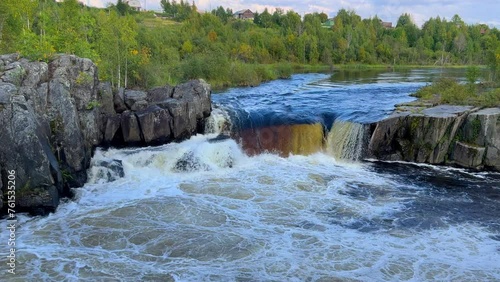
(244, 15)
(386, 25)
(328, 23)
(134, 4)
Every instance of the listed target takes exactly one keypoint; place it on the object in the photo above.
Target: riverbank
(252, 75)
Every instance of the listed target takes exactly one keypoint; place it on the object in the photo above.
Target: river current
(222, 214)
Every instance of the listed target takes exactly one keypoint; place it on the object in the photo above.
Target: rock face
(49, 126)
(159, 115)
(54, 114)
(455, 135)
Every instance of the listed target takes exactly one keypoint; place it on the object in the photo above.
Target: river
(274, 202)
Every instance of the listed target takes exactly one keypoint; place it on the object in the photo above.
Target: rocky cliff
(53, 115)
(453, 135)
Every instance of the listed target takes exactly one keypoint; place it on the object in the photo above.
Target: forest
(144, 49)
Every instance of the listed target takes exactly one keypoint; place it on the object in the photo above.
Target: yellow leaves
(212, 36)
(187, 47)
(245, 52)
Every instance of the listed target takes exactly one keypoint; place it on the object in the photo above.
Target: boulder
(160, 94)
(197, 91)
(189, 163)
(181, 126)
(418, 137)
(135, 100)
(113, 123)
(482, 129)
(130, 128)
(6, 92)
(27, 151)
(106, 97)
(106, 170)
(155, 124)
(119, 101)
(468, 156)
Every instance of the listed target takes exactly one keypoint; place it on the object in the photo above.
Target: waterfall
(218, 122)
(345, 140)
(296, 139)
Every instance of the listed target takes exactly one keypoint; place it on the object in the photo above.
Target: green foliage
(284, 70)
(449, 91)
(138, 49)
(93, 104)
(83, 78)
(66, 175)
(472, 74)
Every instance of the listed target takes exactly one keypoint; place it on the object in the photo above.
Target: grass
(449, 91)
(158, 22)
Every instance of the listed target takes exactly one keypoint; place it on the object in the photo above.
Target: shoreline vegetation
(140, 50)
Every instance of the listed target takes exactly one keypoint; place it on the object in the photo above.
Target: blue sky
(484, 11)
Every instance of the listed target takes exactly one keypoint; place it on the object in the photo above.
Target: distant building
(134, 4)
(244, 15)
(328, 23)
(387, 25)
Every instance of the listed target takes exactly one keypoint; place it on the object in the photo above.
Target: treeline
(139, 49)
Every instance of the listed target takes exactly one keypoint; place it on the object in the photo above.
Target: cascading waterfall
(218, 122)
(345, 140)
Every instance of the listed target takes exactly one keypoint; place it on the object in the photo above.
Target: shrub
(284, 70)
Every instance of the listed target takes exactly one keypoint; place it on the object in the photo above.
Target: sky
(471, 11)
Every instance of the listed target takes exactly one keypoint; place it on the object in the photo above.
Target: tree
(122, 7)
(117, 39)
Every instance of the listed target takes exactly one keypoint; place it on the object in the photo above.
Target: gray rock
(36, 73)
(112, 125)
(135, 100)
(119, 101)
(29, 154)
(108, 170)
(444, 111)
(155, 124)
(6, 91)
(1, 191)
(80, 75)
(67, 136)
(14, 73)
(468, 156)
(418, 137)
(160, 94)
(199, 89)
(181, 127)
(7, 59)
(482, 128)
(189, 162)
(492, 159)
(130, 128)
(106, 98)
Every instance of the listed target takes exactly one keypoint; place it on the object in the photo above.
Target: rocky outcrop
(159, 115)
(445, 134)
(54, 114)
(481, 130)
(48, 126)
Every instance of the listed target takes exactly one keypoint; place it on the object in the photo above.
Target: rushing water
(204, 210)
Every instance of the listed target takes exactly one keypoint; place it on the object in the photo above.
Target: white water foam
(264, 218)
(218, 122)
